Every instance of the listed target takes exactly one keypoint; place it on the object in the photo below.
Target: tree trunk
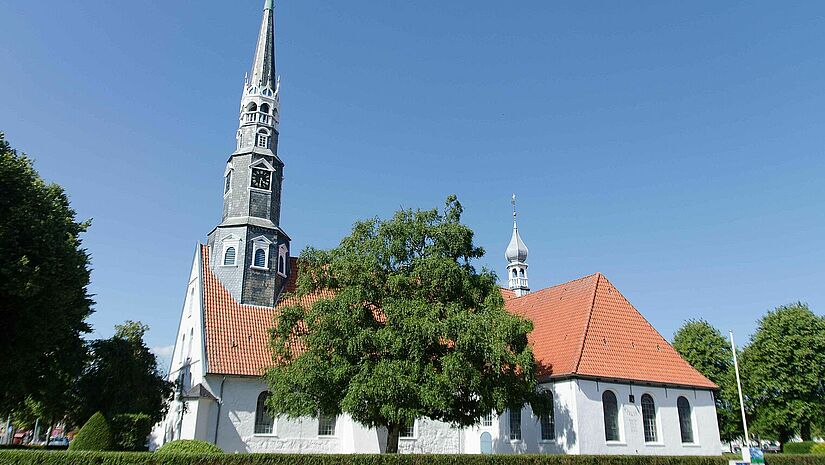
(805, 430)
(393, 431)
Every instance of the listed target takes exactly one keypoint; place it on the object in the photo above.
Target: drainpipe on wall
(218, 418)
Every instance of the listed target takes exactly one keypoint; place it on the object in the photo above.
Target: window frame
(230, 241)
(650, 420)
(328, 421)
(615, 417)
(409, 432)
(519, 435)
(261, 414)
(260, 243)
(551, 420)
(689, 418)
(487, 420)
(283, 255)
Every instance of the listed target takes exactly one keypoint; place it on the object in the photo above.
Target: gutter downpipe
(218, 418)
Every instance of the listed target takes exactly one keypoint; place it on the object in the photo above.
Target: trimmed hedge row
(138, 458)
(20, 457)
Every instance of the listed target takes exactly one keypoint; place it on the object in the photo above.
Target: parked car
(59, 441)
(771, 447)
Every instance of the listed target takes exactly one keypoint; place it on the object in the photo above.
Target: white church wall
(431, 437)
(181, 422)
(591, 420)
(236, 431)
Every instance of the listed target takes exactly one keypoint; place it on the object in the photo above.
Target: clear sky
(677, 147)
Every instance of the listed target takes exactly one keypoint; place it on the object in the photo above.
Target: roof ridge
(589, 317)
(542, 290)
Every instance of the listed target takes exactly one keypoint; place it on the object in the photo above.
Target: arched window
(281, 265)
(515, 424)
(548, 421)
(252, 107)
(685, 422)
(515, 273)
(260, 258)
(265, 108)
(264, 422)
(649, 418)
(229, 256)
(521, 273)
(611, 416)
(263, 139)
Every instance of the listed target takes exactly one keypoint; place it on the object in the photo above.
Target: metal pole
(741, 400)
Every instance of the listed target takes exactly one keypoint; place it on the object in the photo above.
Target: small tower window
(252, 107)
(515, 273)
(283, 253)
(265, 108)
(260, 258)
(227, 182)
(262, 139)
(229, 256)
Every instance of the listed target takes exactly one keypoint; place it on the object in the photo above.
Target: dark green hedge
(798, 447)
(189, 446)
(138, 458)
(130, 431)
(790, 459)
(95, 435)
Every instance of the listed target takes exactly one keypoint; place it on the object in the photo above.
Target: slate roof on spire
(263, 64)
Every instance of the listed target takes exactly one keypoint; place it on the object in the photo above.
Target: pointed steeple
(516, 255)
(263, 65)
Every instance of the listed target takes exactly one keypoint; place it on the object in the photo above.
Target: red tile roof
(237, 336)
(584, 327)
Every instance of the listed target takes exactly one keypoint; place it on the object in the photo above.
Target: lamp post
(746, 449)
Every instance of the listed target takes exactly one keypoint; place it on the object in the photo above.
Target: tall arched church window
(515, 424)
(611, 416)
(229, 256)
(685, 421)
(649, 418)
(281, 265)
(548, 421)
(260, 258)
(264, 423)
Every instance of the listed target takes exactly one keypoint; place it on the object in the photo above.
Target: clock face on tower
(261, 179)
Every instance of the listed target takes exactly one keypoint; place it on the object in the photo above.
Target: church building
(617, 386)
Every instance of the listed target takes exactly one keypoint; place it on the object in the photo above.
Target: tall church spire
(250, 251)
(516, 255)
(263, 65)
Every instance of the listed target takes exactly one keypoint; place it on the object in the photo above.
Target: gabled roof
(583, 328)
(586, 328)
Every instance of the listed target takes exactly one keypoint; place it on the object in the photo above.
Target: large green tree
(407, 328)
(121, 377)
(44, 302)
(783, 371)
(704, 347)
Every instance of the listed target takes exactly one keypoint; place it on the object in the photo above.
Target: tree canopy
(783, 369)
(44, 302)
(406, 328)
(122, 377)
(704, 347)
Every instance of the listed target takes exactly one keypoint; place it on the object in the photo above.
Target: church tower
(249, 252)
(516, 255)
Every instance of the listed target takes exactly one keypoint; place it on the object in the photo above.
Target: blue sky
(679, 148)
